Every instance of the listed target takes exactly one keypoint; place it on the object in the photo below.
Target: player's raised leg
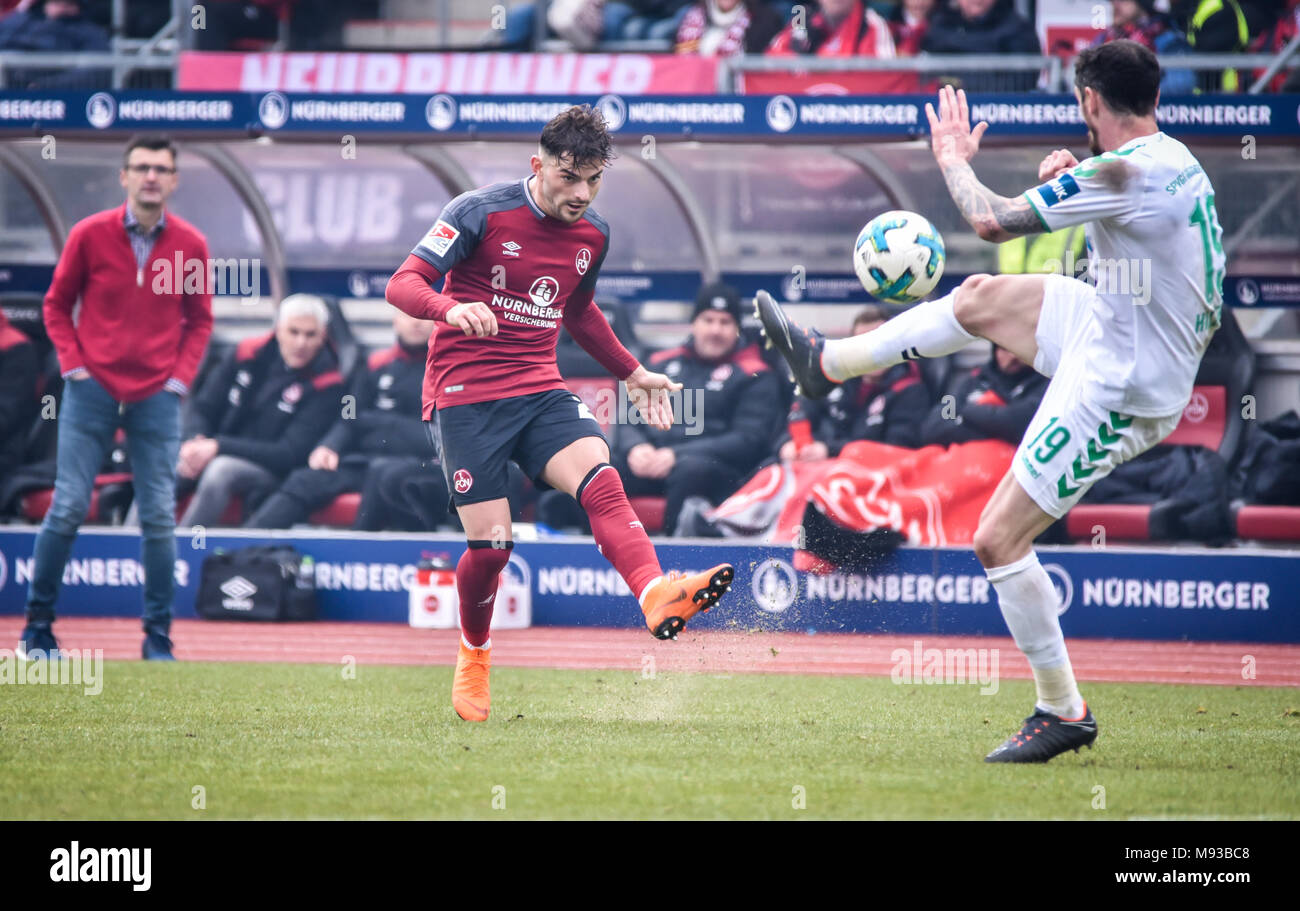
(487, 532)
(1001, 308)
(582, 470)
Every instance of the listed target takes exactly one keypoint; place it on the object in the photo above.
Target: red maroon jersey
(496, 246)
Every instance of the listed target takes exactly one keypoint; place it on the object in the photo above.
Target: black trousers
(398, 493)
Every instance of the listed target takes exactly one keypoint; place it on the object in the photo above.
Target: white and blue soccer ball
(899, 257)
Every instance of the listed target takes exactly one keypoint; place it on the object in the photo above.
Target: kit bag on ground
(257, 583)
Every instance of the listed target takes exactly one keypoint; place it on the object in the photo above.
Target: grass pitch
(301, 741)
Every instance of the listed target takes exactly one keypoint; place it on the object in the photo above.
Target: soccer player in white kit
(1122, 353)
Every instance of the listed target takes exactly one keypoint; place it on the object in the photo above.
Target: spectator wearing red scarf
(908, 25)
(841, 28)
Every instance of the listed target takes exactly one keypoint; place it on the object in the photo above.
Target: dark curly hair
(579, 134)
(1125, 74)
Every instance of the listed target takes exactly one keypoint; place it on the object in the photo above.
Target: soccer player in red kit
(520, 258)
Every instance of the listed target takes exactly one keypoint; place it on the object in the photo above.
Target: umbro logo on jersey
(510, 248)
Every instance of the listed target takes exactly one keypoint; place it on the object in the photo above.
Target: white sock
(1029, 605)
(487, 644)
(645, 591)
(930, 329)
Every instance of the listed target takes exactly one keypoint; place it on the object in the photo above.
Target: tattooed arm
(995, 218)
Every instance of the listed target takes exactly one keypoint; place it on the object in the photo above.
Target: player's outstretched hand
(649, 392)
(473, 318)
(1055, 164)
(951, 138)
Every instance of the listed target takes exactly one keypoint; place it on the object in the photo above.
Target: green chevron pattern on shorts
(1097, 450)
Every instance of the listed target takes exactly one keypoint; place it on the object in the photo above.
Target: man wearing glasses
(127, 359)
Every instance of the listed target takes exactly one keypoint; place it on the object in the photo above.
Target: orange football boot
(470, 694)
(677, 597)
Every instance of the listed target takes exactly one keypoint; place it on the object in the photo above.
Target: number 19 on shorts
(1053, 438)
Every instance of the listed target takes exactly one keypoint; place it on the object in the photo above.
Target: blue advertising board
(761, 117)
(1114, 592)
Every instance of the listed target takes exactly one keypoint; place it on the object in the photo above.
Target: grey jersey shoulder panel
(599, 221)
(468, 214)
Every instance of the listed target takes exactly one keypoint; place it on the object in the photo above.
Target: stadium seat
(1267, 523)
(1204, 421)
(1212, 419)
(341, 513)
(1121, 522)
(233, 517)
(37, 503)
(650, 510)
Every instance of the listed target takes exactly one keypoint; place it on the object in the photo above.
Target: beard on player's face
(564, 189)
(1094, 142)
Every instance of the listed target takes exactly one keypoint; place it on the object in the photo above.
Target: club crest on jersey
(292, 393)
(463, 480)
(544, 291)
(510, 248)
(440, 237)
(1058, 190)
(582, 261)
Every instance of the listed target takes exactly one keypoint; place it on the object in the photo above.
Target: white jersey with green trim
(1156, 258)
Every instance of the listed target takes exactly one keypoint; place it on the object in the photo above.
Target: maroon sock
(477, 575)
(618, 532)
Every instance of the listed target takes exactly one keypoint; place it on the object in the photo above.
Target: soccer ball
(899, 257)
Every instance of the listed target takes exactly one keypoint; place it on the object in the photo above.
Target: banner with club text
(455, 73)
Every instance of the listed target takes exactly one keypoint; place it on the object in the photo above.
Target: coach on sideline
(126, 361)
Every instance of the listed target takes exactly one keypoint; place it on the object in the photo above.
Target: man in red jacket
(127, 360)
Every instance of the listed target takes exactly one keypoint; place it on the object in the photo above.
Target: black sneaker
(156, 647)
(37, 642)
(801, 348)
(1044, 735)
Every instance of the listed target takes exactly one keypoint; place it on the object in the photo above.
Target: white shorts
(1072, 443)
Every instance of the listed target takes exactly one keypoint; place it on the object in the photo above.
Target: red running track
(1116, 660)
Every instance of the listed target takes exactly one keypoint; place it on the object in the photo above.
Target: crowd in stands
(275, 432)
(829, 28)
(216, 25)
(882, 29)
(903, 28)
